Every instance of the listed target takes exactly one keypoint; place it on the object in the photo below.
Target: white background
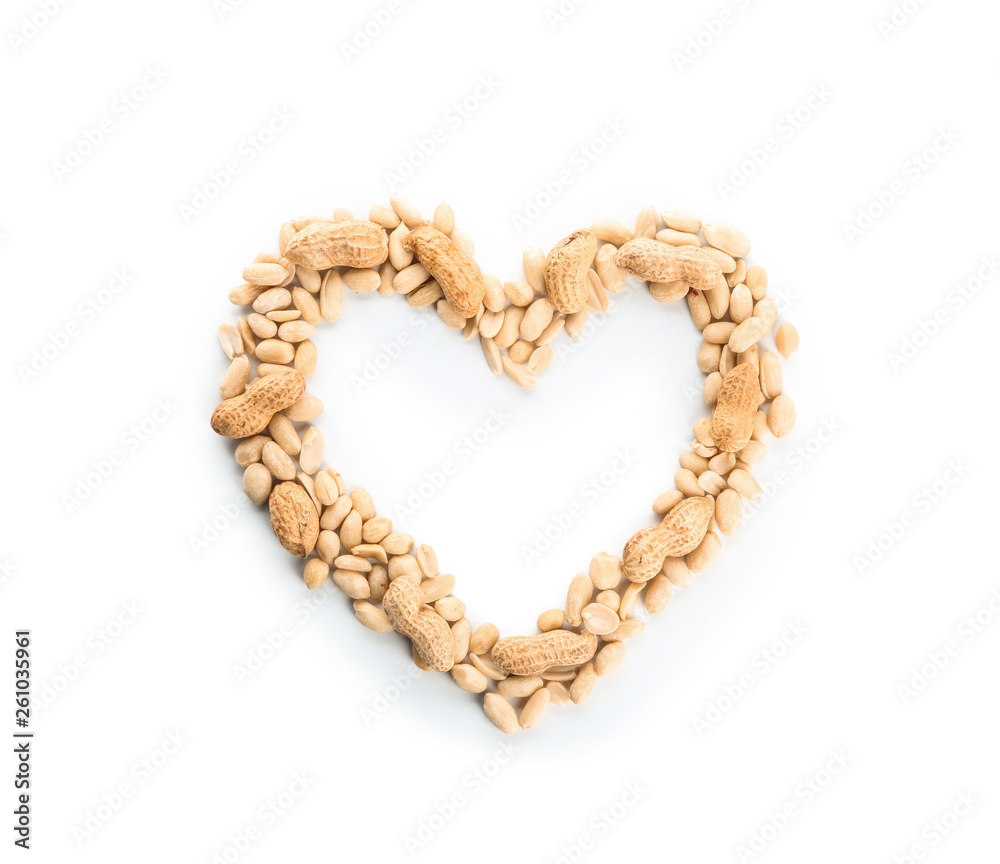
(382, 766)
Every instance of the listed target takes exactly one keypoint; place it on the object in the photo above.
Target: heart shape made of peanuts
(394, 583)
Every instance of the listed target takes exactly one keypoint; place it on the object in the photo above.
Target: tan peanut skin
(739, 398)
(354, 243)
(250, 412)
(294, 519)
(653, 261)
(567, 267)
(680, 532)
(458, 275)
(529, 655)
(429, 632)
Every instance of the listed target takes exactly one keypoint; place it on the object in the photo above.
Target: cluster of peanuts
(396, 584)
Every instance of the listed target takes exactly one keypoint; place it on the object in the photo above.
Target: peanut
(429, 632)
(294, 518)
(744, 483)
(781, 416)
(484, 663)
(612, 276)
(629, 597)
(611, 232)
(249, 413)
(700, 559)
(748, 333)
(520, 686)
(756, 281)
(533, 709)
(687, 482)
(250, 450)
(352, 583)
(609, 658)
(677, 572)
(726, 237)
(787, 340)
(469, 678)
(740, 304)
(770, 375)
(666, 501)
(658, 594)
(354, 243)
(581, 589)
(701, 315)
(459, 276)
(583, 684)
(461, 635)
(484, 638)
(653, 261)
(625, 630)
(551, 619)
(529, 655)
(257, 483)
(315, 573)
(558, 693)
(605, 571)
(599, 619)
(501, 713)
(567, 267)
(236, 377)
(681, 530)
(371, 616)
(738, 398)
(681, 220)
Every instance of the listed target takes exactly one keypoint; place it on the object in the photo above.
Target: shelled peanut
(395, 584)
